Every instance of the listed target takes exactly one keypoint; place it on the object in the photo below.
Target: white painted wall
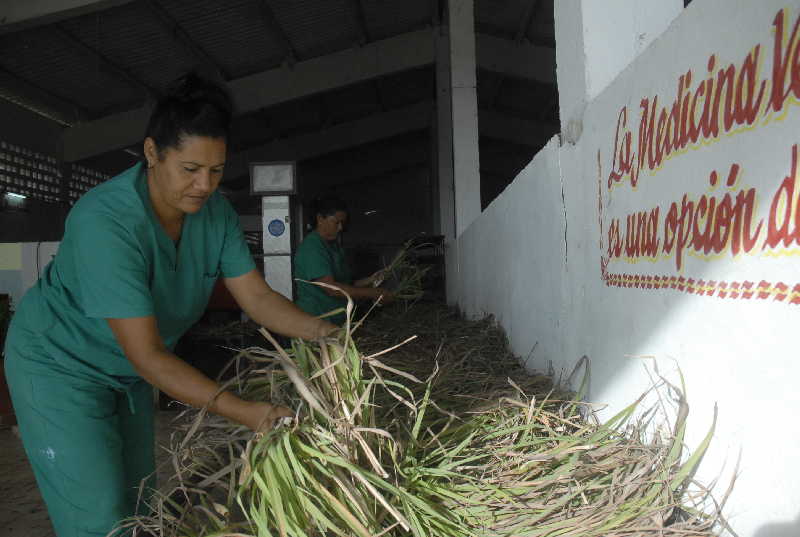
(504, 269)
(597, 40)
(21, 263)
(548, 291)
(608, 49)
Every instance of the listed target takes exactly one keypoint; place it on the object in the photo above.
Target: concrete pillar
(595, 41)
(463, 81)
(457, 162)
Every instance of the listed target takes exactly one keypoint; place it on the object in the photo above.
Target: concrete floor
(22, 510)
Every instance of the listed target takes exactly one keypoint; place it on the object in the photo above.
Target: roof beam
(525, 22)
(515, 130)
(110, 65)
(381, 126)
(317, 75)
(336, 138)
(325, 73)
(313, 177)
(179, 34)
(26, 95)
(533, 5)
(521, 60)
(274, 27)
(268, 88)
(16, 15)
(361, 23)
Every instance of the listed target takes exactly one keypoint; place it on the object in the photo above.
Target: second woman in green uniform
(320, 258)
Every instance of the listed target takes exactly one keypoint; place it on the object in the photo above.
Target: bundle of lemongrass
(403, 276)
(370, 455)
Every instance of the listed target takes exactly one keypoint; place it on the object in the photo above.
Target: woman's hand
(274, 311)
(372, 281)
(385, 295)
(377, 278)
(261, 417)
(142, 344)
(325, 328)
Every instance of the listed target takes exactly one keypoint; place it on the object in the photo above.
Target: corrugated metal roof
(232, 32)
(236, 35)
(45, 59)
(42, 103)
(386, 18)
(317, 27)
(132, 37)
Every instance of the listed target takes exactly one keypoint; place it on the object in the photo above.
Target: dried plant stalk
(479, 448)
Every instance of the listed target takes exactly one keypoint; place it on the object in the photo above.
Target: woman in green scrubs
(320, 258)
(135, 269)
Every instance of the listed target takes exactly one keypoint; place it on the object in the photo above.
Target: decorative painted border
(742, 290)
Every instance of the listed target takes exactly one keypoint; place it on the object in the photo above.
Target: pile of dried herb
(445, 435)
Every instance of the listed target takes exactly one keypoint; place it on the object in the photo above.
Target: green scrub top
(317, 258)
(116, 261)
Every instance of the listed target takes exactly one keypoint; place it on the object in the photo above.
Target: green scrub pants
(90, 444)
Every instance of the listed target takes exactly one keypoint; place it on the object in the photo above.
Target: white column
(464, 97)
(457, 166)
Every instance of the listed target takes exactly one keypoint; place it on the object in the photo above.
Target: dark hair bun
(192, 88)
(192, 106)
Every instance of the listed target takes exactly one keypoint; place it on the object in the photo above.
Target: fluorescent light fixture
(14, 195)
(370, 213)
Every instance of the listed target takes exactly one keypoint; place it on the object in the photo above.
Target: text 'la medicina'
(728, 98)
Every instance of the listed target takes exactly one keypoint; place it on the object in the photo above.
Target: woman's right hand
(385, 295)
(260, 417)
(324, 328)
(377, 278)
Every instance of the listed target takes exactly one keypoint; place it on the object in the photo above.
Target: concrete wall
(543, 257)
(512, 262)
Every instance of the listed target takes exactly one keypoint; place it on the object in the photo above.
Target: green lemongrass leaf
(346, 516)
(421, 413)
(305, 389)
(367, 478)
(688, 468)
